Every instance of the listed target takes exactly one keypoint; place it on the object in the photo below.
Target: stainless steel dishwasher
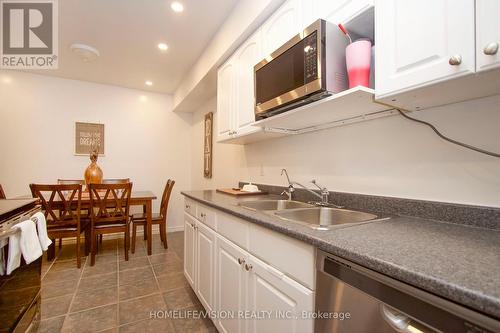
(353, 299)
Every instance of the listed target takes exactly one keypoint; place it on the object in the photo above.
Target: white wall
(388, 156)
(227, 159)
(144, 140)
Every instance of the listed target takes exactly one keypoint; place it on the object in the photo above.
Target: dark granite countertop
(457, 262)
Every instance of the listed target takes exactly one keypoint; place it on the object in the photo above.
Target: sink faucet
(324, 194)
(291, 189)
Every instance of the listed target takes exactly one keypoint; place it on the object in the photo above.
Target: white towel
(14, 259)
(41, 225)
(3, 242)
(29, 243)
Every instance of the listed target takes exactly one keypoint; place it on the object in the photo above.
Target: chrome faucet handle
(322, 188)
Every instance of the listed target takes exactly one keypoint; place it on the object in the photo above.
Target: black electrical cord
(479, 150)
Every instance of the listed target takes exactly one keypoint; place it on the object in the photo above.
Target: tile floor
(117, 295)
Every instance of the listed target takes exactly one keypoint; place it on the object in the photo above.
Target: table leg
(149, 224)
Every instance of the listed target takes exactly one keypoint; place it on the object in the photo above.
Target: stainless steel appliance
(19, 291)
(308, 67)
(358, 300)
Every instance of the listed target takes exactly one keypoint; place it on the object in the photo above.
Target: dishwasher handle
(401, 322)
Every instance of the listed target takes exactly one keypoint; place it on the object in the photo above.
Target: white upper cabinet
(421, 42)
(225, 99)
(286, 22)
(487, 34)
(335, 11)
(247, 56)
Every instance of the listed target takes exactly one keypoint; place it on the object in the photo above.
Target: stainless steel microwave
(308, 67)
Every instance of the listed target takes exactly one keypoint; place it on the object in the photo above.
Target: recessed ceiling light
(177, 7)
(149, 83)
(163, 46)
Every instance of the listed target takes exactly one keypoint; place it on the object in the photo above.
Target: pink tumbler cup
(358, 58)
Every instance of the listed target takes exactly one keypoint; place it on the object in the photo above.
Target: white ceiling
(127, 32)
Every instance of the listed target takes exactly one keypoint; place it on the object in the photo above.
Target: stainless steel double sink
(320, 218)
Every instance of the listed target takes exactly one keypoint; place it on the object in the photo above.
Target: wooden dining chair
(109, 213)
(61, 205)
(83, 215)
(2, 193)
(157, 218)
(114, 181)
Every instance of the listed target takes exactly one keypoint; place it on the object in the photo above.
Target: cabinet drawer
(206, 216)
(190, 207)
(291, 256)
(233, 228)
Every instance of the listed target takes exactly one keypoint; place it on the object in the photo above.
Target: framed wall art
(87, 136)
(207, 150)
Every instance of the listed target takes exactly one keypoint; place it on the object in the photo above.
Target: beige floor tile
(92, 320)
(55, 306)
(98, 282)
(86, 299)
(52, 325)
(138, 289)
(140, 308)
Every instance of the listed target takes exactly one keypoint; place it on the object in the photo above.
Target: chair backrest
(61, 203)
(71, 181)
(166, 197)
(116, 181)
(110, 203)
(2, 193)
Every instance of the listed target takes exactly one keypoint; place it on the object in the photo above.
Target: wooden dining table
(137, 198)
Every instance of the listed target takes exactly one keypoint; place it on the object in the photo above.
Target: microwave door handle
(401, 322)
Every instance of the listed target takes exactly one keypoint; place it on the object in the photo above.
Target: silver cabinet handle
(203, 215)
(248, 267)
(455, 60)
(241, 261)
(491, 48)
(187, 206)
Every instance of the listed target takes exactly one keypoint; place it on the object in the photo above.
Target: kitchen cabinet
(247, 56)
(235, 92)
(236, 274)
(270, 290)
(189, 249)
(205, 265)
(422, 42)
(231, 285)
(338, 11)
(286, 22)
(487, 35)
(225, 99)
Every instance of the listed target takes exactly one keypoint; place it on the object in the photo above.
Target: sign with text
(88, 136)
(29, 34)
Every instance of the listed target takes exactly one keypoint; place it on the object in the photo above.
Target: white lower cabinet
(189, 249)
(205, 265)
(246, 293)
(271, 293)
(231, 286)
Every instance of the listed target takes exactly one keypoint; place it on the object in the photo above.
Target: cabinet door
(189, 249)
(335, 11)
(231, 285)
(270, 290)
(225, 99)
(285, 23)
(487, 34)
(421, 42)
(247, 56)
(205, 266)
